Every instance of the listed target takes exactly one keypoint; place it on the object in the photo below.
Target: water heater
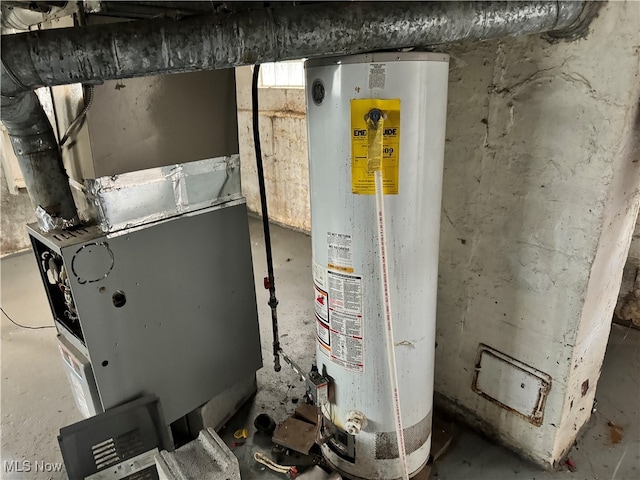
(391, 106)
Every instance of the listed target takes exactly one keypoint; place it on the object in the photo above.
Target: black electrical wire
(77, 122)
(270, 280)
(24, 326)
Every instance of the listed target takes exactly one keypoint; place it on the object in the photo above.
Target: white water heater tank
(408, 93)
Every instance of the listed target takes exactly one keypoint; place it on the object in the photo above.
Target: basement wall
(634, 249)
(283, 137)
(539, 206)
(541, 197)
(540, 202)
(627, 310)
(15, 212)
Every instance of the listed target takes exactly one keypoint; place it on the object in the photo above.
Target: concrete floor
(36, 400)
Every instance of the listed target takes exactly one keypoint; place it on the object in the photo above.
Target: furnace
(157, 303)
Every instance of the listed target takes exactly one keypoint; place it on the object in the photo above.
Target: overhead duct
(224, 40)
(207, 42)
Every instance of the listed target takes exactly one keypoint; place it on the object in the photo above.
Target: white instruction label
(73, 374)
(347, 352)
(323, 334)
(346, 324)
(320, 275)
(339, 252)
(345, 293)
(81, 400)
(377, 75)
(346, 345)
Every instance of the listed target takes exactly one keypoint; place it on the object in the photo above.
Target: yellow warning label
(339, 268)
(375, 144)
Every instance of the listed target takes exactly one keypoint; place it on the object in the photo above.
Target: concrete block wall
(540, 200)
(283, 137)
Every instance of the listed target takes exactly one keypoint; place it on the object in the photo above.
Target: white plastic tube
(391, 353)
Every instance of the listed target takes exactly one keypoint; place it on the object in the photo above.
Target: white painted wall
(540, 199)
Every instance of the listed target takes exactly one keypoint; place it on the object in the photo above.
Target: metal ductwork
(36, 149)
(224, 40)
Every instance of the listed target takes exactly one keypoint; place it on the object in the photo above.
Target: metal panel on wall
(140, 123)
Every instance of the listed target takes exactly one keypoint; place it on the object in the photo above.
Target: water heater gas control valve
(317, 388)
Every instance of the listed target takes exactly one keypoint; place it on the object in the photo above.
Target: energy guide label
(346, 344)
(365, 144)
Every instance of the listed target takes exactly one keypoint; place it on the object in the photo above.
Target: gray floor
(36, 400)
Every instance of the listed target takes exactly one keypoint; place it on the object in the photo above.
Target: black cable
(24, 326)
(270, 281)
(77, 122)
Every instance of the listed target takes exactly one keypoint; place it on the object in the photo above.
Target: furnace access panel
(164, 308)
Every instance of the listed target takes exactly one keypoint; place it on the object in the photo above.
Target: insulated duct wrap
(36, 149)
(206, 42)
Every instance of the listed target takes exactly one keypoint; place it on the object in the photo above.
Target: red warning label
(321, 304)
